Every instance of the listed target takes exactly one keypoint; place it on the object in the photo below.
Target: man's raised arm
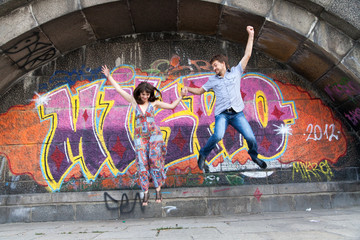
(249, 47)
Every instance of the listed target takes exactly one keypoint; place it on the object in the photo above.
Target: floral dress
(150, 148)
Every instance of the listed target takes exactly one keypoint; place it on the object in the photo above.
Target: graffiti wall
(75, 133)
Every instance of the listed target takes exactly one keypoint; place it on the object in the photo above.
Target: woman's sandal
(158, 197)
(146, 198)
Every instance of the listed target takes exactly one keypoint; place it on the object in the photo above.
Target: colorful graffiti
(62, 77)
(344, 89)
(173, 69)
(313, 170)
(85, 131)
(267, 112)
(166, 69)
(353, 116)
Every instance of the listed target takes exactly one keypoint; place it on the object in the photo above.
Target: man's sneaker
(202, 165)
(260, 163)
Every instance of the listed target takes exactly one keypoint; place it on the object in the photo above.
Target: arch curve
(318, 40)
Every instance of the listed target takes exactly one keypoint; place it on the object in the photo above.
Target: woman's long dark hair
(145, 87)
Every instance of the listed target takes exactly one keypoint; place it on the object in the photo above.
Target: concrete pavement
(309, 224)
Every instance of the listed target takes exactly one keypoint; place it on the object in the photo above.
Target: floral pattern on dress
(150, 148)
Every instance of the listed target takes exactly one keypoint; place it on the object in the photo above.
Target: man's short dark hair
(221, 58)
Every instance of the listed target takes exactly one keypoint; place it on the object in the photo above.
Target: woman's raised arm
(122, 92)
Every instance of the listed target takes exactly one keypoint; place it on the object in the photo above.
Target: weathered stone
(43, 213)
(325, 3)
(315, 7)
(19, 214)
(6, 6)
(45, 11)
(303, 59)
(229, 206)
(279, 203)
(116, 23)
(341, 24)
(75, 32)
(277, 41)
(86, 212)
(154, 16)
(347, 10)
(183, 208)
(319, 201)
(21, 18)
(52, 213)
(214, 1)
(135, 209)
(28, 199)
(343, 200)
(304, 188)
(91, 3)
(206, 22)
(352, 61)
(258, 7)
(331, 39)
(283, 13)
(234, 22)
(4, 215)
(9, 72)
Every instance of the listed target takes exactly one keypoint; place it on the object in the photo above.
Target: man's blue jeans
(239, 122)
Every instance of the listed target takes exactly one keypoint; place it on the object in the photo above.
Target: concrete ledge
(181, 193)
(178, 202)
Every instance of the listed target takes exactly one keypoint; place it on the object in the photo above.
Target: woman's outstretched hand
(184, 91)
(105, 71)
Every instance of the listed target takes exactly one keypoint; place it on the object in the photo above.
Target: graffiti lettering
(124, 207)
(61, 77)
(166, 68)
(169, 208)
(211, 179)
(234, 179)
(273, 117)
(316, 134)
(345, 88)
(30, 52)
(354, 116)
(94, 128)
(73, 137)
(79, 134)
(312, 169)
(86, 132)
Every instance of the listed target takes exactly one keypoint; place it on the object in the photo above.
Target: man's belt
(230, 110)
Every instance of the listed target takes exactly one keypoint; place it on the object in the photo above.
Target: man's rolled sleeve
(207, 86)
(238, 69)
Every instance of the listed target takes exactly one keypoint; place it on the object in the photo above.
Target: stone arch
(317, 39)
